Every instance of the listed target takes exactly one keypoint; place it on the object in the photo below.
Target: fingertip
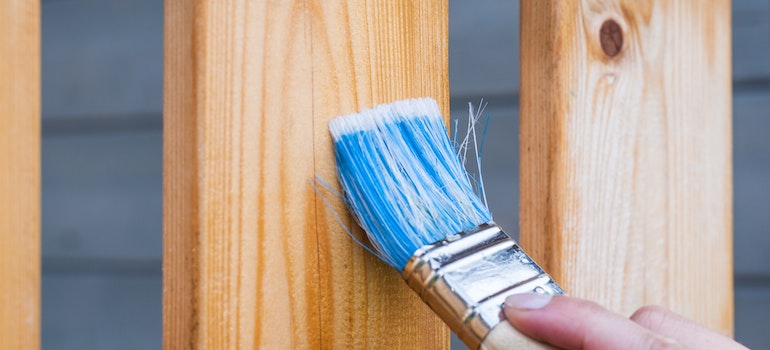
(527, 301)
(521, 311)
(527, 312)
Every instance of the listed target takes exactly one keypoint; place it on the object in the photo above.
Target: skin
(572, 323)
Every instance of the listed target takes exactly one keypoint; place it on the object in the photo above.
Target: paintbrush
(409, 191)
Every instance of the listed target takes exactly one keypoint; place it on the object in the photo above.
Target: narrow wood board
(240, 260)
(20, 174)
(252, 257)
(367, 53)
(626, 194)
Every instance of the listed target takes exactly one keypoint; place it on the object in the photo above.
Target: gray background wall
(102, 159)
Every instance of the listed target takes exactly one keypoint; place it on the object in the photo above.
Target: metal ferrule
(466, 277)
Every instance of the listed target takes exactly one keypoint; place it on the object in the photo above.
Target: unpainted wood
(626, 194)
(252, 257)
(364, 54)
(20, 174)
(240, 255)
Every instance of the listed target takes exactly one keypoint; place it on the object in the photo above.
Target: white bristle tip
(369, 119)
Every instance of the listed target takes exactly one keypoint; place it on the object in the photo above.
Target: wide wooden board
(626, 160)
(252, 257)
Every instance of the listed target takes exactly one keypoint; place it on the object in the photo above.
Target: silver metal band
(466, 277)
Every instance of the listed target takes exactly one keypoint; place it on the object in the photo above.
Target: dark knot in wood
(611, 38)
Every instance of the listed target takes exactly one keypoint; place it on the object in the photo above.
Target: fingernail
(528, 301)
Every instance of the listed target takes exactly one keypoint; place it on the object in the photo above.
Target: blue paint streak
(406, 186)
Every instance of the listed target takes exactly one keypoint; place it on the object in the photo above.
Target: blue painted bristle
(402, 178)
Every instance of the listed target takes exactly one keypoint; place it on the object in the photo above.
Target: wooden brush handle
(504, 336)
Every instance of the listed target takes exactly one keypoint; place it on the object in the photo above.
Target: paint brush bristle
(408, 189)
(402, 178)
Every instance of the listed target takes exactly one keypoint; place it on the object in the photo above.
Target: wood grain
(20, 174)
(252, 258)
(240, 257)
(366, 53)
(626, 194)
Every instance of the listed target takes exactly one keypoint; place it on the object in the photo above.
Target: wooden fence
(626, 188)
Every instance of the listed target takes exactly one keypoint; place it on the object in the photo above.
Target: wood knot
(611, 38)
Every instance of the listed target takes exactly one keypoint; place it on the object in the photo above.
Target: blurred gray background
(102, 159)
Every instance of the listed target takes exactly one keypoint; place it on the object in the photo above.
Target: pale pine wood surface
(20, 174)
(626, 193)
(240, 261)
(252, 259)
(367, 53)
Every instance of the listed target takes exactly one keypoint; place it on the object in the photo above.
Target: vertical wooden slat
(366, 53)
(20, 174)
(240, 261)
(252, 259)
(626, 192)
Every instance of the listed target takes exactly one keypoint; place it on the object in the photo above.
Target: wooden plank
(367, 53)
(20, 174)
(626, 193)
(251, 257)
(239, 255)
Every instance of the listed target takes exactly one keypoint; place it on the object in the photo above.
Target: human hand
(572, 323)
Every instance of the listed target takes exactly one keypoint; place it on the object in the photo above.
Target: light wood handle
(504, 336)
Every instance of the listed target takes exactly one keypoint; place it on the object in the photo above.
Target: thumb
(573, 323)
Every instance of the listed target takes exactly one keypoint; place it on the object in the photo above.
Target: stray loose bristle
(402, 179)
